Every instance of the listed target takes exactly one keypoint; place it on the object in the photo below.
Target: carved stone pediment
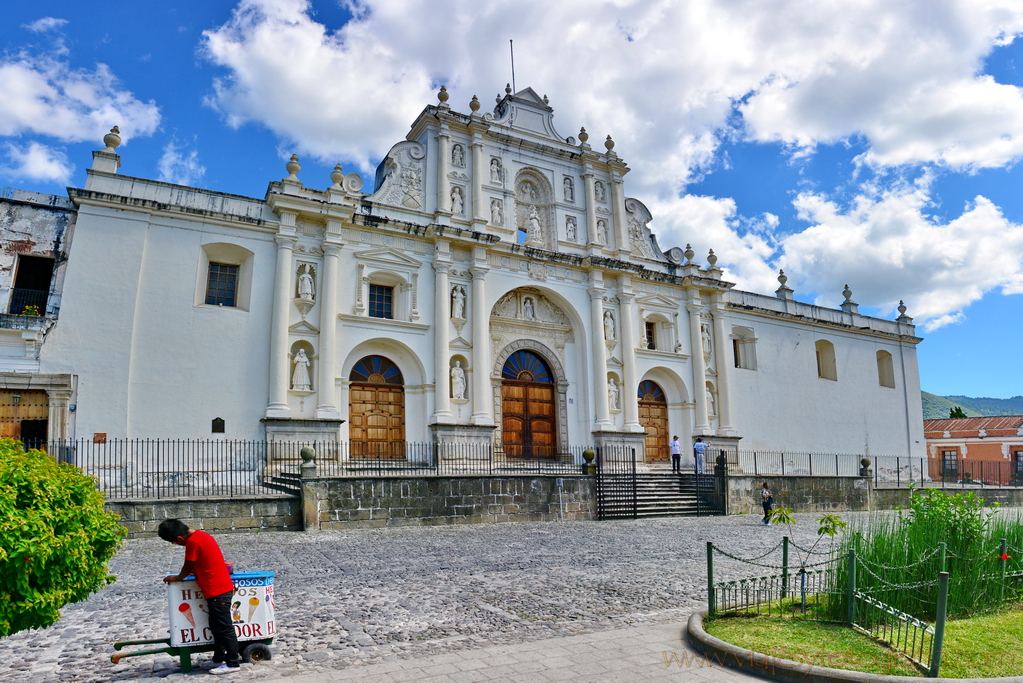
(641, 239)
(401, 177)
(529, 305)
(390, 257)
(657, 301)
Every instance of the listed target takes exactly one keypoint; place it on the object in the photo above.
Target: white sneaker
(224, 669)
(210, 664)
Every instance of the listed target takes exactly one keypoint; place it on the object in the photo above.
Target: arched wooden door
(653, 415)
(528, 424)
(376, 409)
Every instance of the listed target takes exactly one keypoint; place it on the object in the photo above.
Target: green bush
(55, 538)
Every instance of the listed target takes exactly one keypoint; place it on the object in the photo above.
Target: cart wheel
(255, 653)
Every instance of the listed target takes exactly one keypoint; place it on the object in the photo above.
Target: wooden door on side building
(376, 413)
(653, 416)
(24, 416)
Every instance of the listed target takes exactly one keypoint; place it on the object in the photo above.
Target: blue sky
(871, 143)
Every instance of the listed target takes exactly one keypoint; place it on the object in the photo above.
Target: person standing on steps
(767, 500)
(676, 456)
(699, 455)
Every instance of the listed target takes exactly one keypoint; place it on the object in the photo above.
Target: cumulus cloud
(44, 95)
(45, 24)
(179, 166)
(671, 82)
(38, 162)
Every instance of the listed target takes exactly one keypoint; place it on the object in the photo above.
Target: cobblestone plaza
(462, 603)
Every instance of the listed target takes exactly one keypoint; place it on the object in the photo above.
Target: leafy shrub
(55, 538)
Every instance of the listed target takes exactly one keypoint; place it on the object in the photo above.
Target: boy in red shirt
(204, 559)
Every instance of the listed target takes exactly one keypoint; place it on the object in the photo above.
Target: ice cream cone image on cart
(186, 609)
(253, 604)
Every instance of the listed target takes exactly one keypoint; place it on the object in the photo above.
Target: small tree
(956, 413)
(55, 538)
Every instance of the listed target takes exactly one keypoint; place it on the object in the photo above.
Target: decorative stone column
(480, 213)
(279, 360)
(599, 352)
(723, 367)
(482, 399)
(699, 369)
(327, 405)
(441, 301)
(592, 237)
(623, 244)
(627, 340)
(58, 416)
(443, 157)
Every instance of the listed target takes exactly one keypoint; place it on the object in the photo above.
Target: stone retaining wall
(409, 501)
(802, 494)
(268, 513)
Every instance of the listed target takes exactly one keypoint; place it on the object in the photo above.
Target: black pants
(676, 462)
(767, 510)
(225, 642)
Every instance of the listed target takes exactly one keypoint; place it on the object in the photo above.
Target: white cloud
(670, 82)
(38, 162)
(180, 167)
(887, 248)
(43, 95)
(45, 24)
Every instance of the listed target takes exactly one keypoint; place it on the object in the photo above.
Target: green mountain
(990, 406)
(937, 407)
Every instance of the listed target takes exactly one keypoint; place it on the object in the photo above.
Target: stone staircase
(658, 494)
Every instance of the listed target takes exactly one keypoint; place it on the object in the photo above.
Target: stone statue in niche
(609, 326)
(569, 190)
(495, 171)
(599, 192)
(300, 378)
(527, 309)
(712, 408)
(458, 302)
(458, 381)
(305, 283)
(457, 200)
(496, 212)
(613, 394)
(571, 229)
(602, 231)
(458, 156)
(534, 233)
(707, 343)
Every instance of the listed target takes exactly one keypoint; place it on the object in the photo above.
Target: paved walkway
(575, 601)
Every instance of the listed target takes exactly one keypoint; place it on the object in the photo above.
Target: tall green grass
(900, 557)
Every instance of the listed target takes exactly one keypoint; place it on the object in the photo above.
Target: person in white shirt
(699, 449)
(676, 455)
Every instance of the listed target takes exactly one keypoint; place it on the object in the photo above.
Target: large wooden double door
(376, 412)
(528, 416)
(653, 416)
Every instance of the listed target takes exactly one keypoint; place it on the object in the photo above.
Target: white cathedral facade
(495, 284)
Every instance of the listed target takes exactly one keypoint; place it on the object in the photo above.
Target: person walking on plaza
(767, 500)
(699, 451)
(676, 455)
(204, 559)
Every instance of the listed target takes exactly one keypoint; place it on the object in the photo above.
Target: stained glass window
(376, 370)
(526, 366)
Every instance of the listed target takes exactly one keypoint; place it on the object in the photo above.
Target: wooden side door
(377, 420)
(654, 418)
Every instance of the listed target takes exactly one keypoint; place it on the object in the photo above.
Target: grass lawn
(981, 647)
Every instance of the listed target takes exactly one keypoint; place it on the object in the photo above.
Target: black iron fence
(170, 468)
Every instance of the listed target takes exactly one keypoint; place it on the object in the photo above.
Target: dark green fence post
(1004, 550)
(851, 608)
(784, 567)
(939, 625)
(711, 607)
(943, 552)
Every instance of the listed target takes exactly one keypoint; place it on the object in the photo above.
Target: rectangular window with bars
(381, 301)
(650, 330)
(222, 285)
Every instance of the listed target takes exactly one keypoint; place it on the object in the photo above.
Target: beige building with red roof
(987, 450)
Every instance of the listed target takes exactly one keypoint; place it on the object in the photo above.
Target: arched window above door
(650, 391)
(526, 366)
(376, 370)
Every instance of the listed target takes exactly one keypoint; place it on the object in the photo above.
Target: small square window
(222, 285)
(381, 301)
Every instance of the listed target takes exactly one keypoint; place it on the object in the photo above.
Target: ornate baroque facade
(495, 283)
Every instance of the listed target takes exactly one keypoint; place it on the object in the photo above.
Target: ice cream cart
(252, 611)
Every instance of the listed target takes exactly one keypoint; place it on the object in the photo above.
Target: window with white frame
(224, 277)
(885, 370)
(744, 348)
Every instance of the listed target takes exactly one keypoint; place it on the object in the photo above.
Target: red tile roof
(966, 424)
